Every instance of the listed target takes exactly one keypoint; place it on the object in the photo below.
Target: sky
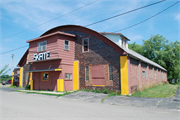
(22, 20)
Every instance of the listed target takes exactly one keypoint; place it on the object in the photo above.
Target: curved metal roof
(130, 52)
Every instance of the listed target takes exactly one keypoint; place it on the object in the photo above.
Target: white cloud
(32, 13)
(177, 17)
(135, 38)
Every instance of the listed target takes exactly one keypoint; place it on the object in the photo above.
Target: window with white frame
(87, 73)
(66, 45)
(42, 46)
(85, 44)
(68, 76)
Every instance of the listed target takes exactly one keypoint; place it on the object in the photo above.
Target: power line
(52, 19)
(14, 49)
(147, 18)
(98, 21)
(124, 13)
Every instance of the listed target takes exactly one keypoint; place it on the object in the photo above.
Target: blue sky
(19, 15)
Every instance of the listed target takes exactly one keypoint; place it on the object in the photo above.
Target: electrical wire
(14, 49)
(51, 20)
(147, 18)
(91, 23)
(124, 13)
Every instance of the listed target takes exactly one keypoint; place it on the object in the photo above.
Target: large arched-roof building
(73, 57)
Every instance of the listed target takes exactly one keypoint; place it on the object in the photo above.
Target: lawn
(161, 91)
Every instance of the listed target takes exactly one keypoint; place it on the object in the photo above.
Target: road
(22, 106)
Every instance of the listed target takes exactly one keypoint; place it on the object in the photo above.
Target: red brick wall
(153, 75)
(100, 53)
(133, 74)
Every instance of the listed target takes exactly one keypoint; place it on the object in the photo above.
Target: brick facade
(152, 75)
(99, 53)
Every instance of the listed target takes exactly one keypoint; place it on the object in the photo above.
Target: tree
(159, 50)
(172, 59)
(3, 72)
(137, 48)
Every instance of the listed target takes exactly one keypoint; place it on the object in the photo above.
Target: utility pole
(12, 55)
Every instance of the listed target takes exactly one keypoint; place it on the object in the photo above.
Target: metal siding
(55, 44)
(66, 55)
(46, 65)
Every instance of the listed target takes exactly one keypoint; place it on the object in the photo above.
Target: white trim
(65, 45)
(68, 75)
(41, 46)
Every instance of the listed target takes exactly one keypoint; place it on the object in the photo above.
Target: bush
(27, 87)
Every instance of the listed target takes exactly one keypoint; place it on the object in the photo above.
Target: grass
(13, 86)
(105, 91)
(161, 91)
(38, 92)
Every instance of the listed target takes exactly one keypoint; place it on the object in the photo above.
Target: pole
(12, 55)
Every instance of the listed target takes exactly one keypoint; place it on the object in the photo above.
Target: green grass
(105, 91)
(161, 91)
(36, 92)
(13, 86)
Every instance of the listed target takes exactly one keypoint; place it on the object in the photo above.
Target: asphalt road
(22, 106)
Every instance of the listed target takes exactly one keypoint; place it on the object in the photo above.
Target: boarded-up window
(98, 75)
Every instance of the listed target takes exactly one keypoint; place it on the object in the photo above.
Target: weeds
(13, 86)
(161, 91)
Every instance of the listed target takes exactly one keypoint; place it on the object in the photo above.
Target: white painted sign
(41, 56)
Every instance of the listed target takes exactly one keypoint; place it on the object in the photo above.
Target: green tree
(3, 72)
(154, 49)
(159, 50)
(137, 48)
(172, 59)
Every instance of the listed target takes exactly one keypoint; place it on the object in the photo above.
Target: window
(86, 73)
(42, 46)
(143, 73)
(45, 76)
(110, 72)
(85, 44)
(66, 45)
(68, 76)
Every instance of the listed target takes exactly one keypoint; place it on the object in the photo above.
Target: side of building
(73, 57)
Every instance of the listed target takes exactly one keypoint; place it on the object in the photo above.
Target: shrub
(27, 87)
